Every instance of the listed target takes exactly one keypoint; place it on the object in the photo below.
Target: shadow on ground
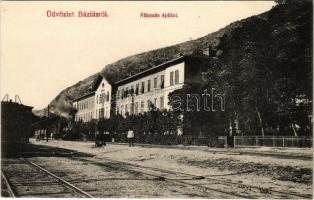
(35, 150)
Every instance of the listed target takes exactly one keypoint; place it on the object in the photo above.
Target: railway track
(228, 188)
(263, 190)
(24, 178)
(224, 186)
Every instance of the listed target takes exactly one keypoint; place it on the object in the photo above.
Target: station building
(136, 94)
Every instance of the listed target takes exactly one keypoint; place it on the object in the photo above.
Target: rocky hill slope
(288, 25)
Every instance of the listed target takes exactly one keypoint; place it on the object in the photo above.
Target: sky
(40, 56)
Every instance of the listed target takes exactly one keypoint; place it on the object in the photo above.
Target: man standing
(130, 137)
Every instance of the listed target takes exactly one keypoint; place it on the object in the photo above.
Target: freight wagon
(16, 120)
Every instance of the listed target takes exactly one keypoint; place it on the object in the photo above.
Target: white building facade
(95, 104)
(103, 100)
(85, 106)
(140, 92)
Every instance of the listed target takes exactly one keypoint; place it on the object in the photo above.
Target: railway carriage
(16, 121)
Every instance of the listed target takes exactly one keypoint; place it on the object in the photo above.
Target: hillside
(286, 28)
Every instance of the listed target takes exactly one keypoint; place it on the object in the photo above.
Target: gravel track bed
(244, 167)
(283, 173)
(114, 182)
(29, 181)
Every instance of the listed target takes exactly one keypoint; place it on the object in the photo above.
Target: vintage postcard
(157, 99)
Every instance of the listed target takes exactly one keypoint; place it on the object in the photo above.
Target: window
(142, 106)
(148, 86)
(103, 85)
(126, 92)
(136, 108)
(122, 93)
(108, 95)
(143, 88)
(162, 81)
(171, 78)
(121, 109)
(155, 102)
(101, 99)
(148, 104)
(101, 113)
(132, 90)
(126, 108)
(176, 77)
(137, 89)
(155, 82)
(161, 102)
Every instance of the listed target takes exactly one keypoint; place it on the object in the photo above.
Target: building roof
(15, 105)
(157, 68)
(84, 96)
(92, 89)
(144, 73)
(97, 82)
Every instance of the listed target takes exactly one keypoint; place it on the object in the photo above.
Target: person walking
(130, 137)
